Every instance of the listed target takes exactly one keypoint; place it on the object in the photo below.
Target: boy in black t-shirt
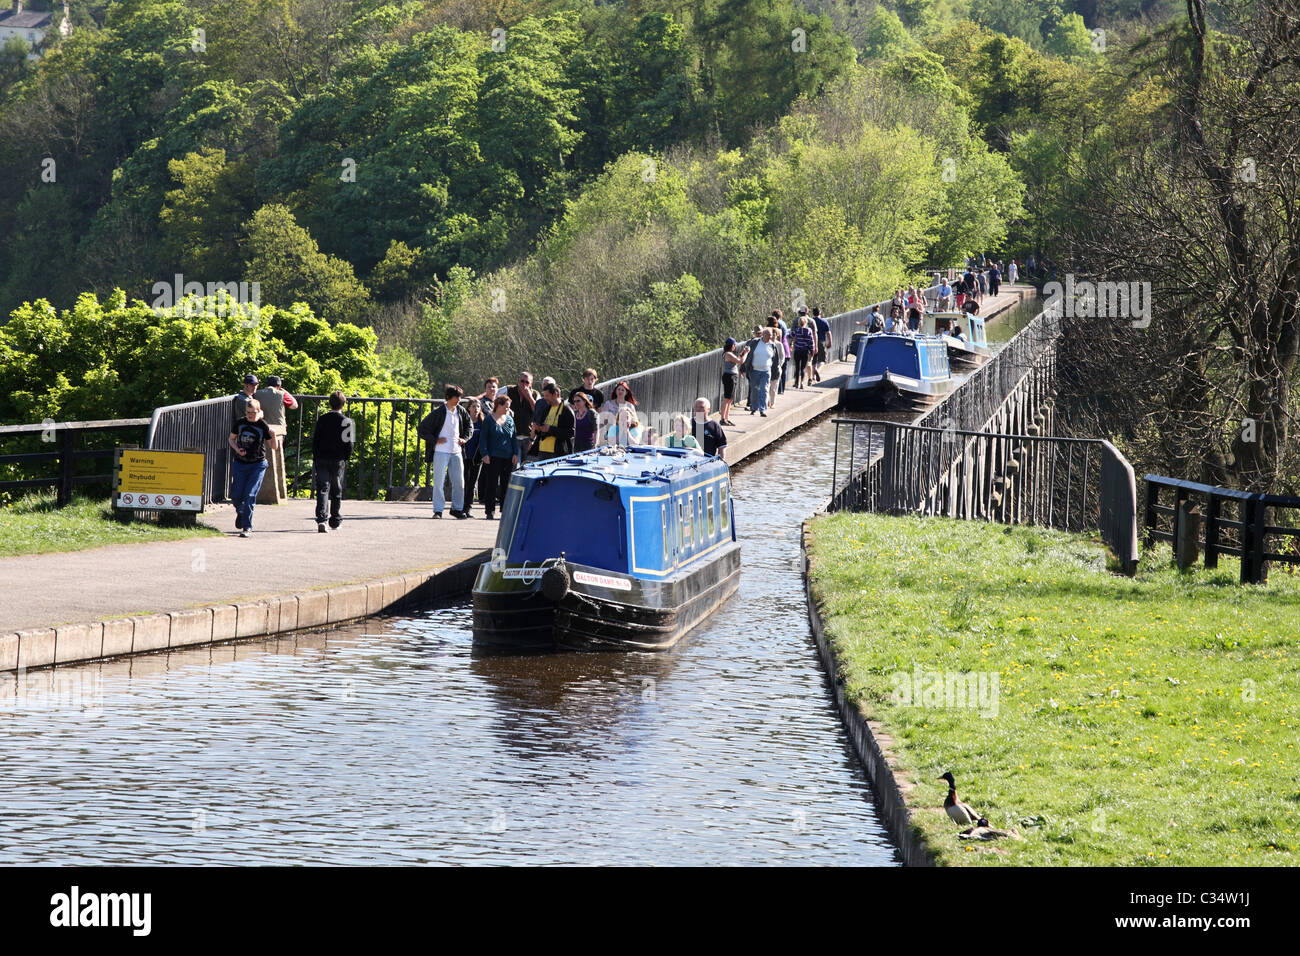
(250, 440)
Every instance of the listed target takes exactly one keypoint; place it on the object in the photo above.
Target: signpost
(158, 481)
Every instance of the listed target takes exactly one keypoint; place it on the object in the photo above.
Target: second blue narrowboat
(898, 373)
(611, 549)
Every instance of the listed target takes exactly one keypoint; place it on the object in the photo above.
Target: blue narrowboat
(968, 351)
(898, 373)
(611, 549)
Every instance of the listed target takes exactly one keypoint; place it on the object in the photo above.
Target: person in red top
(274, 400)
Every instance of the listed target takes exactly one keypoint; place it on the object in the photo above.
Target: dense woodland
(437, 190)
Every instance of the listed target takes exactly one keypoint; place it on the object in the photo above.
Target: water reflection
(576, 703)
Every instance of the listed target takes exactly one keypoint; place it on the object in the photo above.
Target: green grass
(32, 525)
(1139, 721)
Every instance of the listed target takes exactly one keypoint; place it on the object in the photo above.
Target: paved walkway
(286, 554)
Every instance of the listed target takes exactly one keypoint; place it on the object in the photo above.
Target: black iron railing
(59, 454)
(1246, 536)
(1074, 484)
(1028, 360)
(387, 457)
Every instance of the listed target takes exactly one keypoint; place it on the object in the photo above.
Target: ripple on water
(392, 743)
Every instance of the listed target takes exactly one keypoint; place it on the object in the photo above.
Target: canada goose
(960, 813)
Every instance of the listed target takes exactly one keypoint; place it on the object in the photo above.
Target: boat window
(663, 518)
(546, 526)
(681, 526)
(509, 515)
(722, 506)
(713, 515)
(697, 505)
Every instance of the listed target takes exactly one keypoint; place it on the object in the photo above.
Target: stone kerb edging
(870, 743)
(74, 643)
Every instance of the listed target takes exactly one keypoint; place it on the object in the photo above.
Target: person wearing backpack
(803, 343)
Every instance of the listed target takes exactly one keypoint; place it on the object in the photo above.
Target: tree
(983, 197)
(1201, 201)
(759, 55)
(14, 64)
(115, 358)
(284, 258)
(1070, 38)
(201, 218)
(917, 14)
(886, 37)
(44, 247)
(660, 325)
(1027, 20)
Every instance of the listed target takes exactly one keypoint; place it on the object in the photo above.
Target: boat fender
(555, 582)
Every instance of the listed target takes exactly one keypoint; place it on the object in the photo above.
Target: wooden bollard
(1187, 547)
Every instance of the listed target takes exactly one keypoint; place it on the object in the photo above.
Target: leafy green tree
(983, 197)
(525, 126)
(43, 244)
(660, 324)
(1070, 38)
(391, 278)
(923, 72)
(201, 218)
(14, 64)
(118, 358)
(390, 152)
(650, 97)
(917, 14)
(886, 36)
(284, 258)
(1028, 20)
(759, 55)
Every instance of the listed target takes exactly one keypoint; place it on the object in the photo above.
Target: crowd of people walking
(474, 443)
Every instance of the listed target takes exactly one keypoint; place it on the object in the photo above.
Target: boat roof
(904, 337)
(618, 465)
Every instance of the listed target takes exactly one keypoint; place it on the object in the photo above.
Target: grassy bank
(1146, 721)
(32, 525)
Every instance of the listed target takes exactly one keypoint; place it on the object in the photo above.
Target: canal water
(392, 742)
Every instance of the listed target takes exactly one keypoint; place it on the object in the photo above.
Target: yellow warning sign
(159, 479)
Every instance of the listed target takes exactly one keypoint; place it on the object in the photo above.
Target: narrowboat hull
(965, 353)
(963, 356)
(893, 393)
(599, 610)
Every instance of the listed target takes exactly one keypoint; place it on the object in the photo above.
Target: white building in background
(31, 25)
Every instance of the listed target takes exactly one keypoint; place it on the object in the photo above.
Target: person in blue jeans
(761, 376)
(250, 440)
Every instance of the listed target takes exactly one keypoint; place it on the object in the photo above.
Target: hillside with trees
(556, 183)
